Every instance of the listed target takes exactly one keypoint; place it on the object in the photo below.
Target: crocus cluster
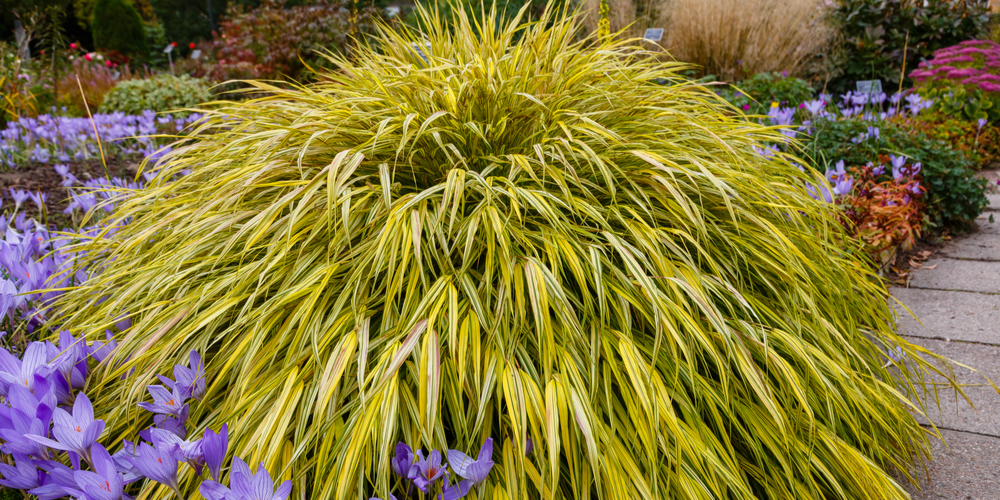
(33, 265)
(60, 139)
(841, 182)
(430, 475)
(41, 419)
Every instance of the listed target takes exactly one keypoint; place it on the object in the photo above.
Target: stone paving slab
(954, 274)
(994, 200)
(968, 468)
(973, 317)
(951, 410)
(978, 246)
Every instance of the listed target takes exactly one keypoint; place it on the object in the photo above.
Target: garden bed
(42, 178)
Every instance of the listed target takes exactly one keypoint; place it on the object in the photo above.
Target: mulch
(38, 177)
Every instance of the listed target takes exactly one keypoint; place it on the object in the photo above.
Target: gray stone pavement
(956, 296)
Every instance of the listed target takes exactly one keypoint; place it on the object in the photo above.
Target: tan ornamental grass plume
(733, 39)
(523, 236)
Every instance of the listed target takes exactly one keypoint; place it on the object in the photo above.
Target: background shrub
(95, 78)
(274, 41)
(438, 257)
(955, 196)
(118, 27)
(755, 94)
(160, 93)
(875, 33)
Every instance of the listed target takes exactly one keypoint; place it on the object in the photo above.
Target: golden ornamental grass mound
(508, 240)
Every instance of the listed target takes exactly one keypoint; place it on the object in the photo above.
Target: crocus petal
(212, 490)
(283, 491)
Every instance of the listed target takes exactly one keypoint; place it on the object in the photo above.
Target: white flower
(100, 57)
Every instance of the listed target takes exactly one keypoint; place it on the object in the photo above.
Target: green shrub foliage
(526, 235)
(878, 34)
(161, 93)
(117, 26)
(755, 94)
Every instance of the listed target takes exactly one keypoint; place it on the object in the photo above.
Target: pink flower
(989, 87)
(963, 73)
(88, 57)
(72, 46)
(956, 59)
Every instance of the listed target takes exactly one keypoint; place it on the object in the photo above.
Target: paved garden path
(956, 295)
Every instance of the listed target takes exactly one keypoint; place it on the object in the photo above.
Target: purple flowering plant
(42, 434)
(61, 139)
(429, 475)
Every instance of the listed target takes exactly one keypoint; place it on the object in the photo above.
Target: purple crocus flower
(402, 463)
(158, 465)
(449, 492)
(842, 186)
(214, 446)
(837, 172)
(823, 193)
(57, 483)
(38, 199)
(21, 371)
(980, 124)
(16, 436)
(19, 196)
(105, 482)
(123, 462)
(246, 485)
(164, 401)
(22, 475)
(429, 470)
(814, 107)
(77, 432)
(897, 166)
(186, 451)
(62, 170)
(474, 470)
(879, 170)
(191, 378)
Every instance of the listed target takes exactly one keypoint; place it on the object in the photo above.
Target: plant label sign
(653, 34)
(869, 87)
(195, 54)
(169, 49)
(420, 53)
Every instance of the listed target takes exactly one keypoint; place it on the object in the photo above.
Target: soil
(38, 177)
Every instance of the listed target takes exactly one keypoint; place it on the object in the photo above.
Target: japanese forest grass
(510, 240)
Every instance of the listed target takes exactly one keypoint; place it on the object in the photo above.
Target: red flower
(173, 43)
(72, 46)
(191, 45)
(88, 57)
(107, 63)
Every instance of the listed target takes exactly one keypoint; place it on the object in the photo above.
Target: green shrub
(955, 196)
(160, 93)
(118, 27)
(514, 239)
(755, 94)
(878, 33)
